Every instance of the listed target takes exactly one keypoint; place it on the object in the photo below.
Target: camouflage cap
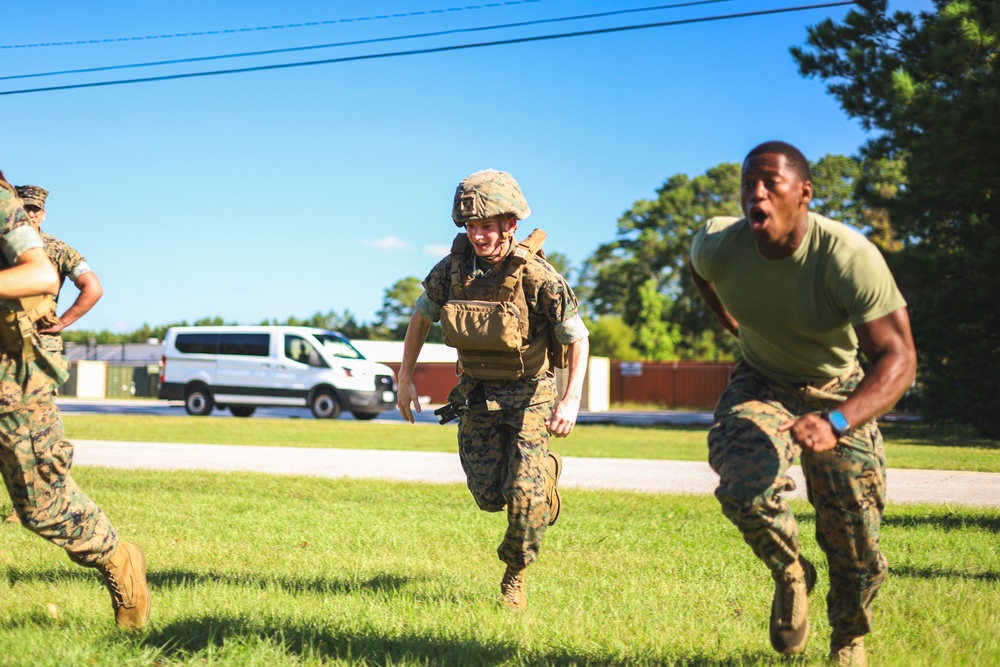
(33, 195)
(488, 193)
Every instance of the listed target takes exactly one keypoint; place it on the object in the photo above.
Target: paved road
(905, 486)
(139, 406)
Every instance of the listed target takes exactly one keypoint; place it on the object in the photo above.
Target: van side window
(248, 344)
(198, 343)
(300, 350)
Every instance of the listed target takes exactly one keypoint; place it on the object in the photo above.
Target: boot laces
(786, 589)
(115, 586)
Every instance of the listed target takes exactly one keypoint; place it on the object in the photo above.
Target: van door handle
(280, 367)
(265, 365)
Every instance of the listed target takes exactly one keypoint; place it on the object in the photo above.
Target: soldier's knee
(488, 502)
(747, 507)
(491, 505)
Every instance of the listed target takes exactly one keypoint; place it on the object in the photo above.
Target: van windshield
(338, 346)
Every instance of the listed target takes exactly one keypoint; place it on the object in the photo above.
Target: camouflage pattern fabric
(845, 485)
(33, 195)
(35, 461)
(503, 454)
(485, 194)
(64, 257)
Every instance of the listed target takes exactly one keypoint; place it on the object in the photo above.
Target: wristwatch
(837, 421)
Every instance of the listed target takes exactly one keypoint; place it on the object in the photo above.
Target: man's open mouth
(758, 218)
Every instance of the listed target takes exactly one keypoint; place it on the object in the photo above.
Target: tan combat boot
(512, 588)
(848, 651)
(790, 608)
(553, 469)
(12, 517)
(125, 576)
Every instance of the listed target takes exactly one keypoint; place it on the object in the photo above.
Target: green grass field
(250, 569)
(907, 445)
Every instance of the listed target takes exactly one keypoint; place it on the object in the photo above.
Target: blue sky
(292, 191)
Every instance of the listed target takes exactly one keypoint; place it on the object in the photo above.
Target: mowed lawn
(907, 445)
(250, 569)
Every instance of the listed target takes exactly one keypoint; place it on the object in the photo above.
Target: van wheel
(242, 410)
(325, 405)
(364, 416)
(198, 401)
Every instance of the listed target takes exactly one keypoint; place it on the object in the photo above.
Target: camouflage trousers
(503, 455)
(845, 485)
(35, 461)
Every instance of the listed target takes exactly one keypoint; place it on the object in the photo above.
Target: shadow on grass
(932, 435)
(192, 637)
(945, 520)
(940, 573)
(163, 579)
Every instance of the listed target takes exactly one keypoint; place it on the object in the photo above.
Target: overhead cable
(305, 24)
(359, 42)
(439, 49)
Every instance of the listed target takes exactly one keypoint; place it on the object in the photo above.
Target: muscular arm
(567, 410)
(31, 275)
(708, 294)
(90, 293)
(888, 344)
(416, 334)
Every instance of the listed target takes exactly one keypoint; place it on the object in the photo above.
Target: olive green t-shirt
(797, 315)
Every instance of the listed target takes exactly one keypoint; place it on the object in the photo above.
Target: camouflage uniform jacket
(68, 262)
(549, 298)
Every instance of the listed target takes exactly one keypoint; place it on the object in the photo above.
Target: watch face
(838, 421)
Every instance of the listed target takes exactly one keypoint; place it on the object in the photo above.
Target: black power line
(376, 40)
(439, 49)
(286, 26)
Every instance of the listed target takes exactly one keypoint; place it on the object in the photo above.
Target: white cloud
(388, 243)
(438, 251)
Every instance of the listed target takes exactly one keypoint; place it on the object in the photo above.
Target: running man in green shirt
(803, 294)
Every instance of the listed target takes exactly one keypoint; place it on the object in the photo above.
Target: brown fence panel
(672, 384)
(434, 379)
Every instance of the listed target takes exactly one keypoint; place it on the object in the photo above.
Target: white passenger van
(242, 367)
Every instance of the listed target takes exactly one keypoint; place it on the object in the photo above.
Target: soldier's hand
(811, 432)
(563, 418)
(54, 329)
(406, 395)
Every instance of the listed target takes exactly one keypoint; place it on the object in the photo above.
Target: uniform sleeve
(73, 265)
(426, 307)
(867, 290)
(67, 260)
(555, 301)
(438, 281)
(697, 244)
(571, 330)
(79, 270)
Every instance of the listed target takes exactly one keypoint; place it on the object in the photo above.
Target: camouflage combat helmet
(488, 193)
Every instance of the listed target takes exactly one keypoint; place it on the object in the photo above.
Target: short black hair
(793, 157)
